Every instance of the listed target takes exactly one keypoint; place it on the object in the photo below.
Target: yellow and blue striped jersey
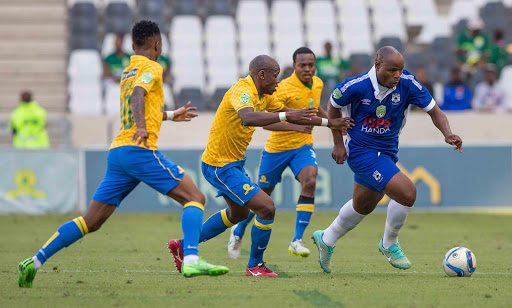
(294, 94)
(147, 74)
(229, 137)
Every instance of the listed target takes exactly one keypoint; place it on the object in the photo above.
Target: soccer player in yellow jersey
(290, 145)
(223, 159)
(132, 158)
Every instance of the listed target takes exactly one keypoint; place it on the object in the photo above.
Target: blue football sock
(215, 225)
(305, 208)
(260, 235)
(240, 227)
(66, 235)
(191, 224)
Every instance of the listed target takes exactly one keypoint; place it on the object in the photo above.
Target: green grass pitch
(127, 264)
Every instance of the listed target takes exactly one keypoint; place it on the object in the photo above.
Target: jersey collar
(251, 83)
(297, 81)
(376, 91)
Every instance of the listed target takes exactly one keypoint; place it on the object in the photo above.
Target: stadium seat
(216, 98)
(193, 95)
(83, 42)
(387, 19)
(460, 26)
(218, 7)
(187, 52)
(112, 99)
(462, 9)
(442, 50)
(364, 62)
(506, 81)
(252, 37)
(83, 26)
(320, 25)
(118, 18)
(221, 57)
(168, 97)
(419, 13)
(85, 97)
(391, 41)
(494, 16)
(355, 27)
(185, 7)
(286, 18)
(434, 27)
(152, 10)
(84, 65)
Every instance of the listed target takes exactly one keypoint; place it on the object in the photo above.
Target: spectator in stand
(287, 72)
(28, 123)
(330, 68)
(421, 75)
(114, 64)
(498, 52)
(473, 45)
(457, 95)
(489, 94)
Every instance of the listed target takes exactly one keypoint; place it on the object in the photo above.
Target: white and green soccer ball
(459, 262)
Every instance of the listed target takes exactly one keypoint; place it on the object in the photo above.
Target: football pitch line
(288, 272)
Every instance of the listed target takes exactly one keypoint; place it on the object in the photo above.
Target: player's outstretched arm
(181, 114)
(251, 118)
(289, 127)
(337, 123)
(441, 122)
(339, 153)
(138, 111)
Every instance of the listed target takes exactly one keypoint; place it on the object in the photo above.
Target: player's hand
(142, 135)
(341, 123)
(455, 141)
(182, 114)
(339, 154)
(305, 129)
(301, 114)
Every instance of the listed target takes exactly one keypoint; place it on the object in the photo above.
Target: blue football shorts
(272, 165)
(127, 166)
(372, 169)
(231, 181)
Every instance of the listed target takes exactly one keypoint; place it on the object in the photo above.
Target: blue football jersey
(379, 116)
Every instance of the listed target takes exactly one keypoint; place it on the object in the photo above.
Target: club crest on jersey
(381, 111)
(146, 77)
(245, 98)
(311, 103)
(395, 98)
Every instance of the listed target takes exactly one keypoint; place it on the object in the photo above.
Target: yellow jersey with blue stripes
(229, 137)
(147, 74)
(294, 94)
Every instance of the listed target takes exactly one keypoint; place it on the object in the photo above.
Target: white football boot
(234, 244)
(297, 248)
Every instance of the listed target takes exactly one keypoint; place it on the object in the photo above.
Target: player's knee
(309, 184)
(409, 197)
(267, 212)
(198, 197)
(237, 217)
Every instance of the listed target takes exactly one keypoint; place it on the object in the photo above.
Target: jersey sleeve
(241, 98)
(341, 95)
(149, 76)
(273, 104)
(419, 96)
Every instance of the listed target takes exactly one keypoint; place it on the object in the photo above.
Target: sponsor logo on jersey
(395, 98)
(129, 74)
(245, 98)
(365, 101)
(381, 111)
(376, 126)
(377, 176)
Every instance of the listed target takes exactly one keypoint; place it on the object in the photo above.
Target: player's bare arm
(251, 118)
(337, 123)
(138, 109)
(280, 127)
(441, 122)
(339, 153)
(182, 114)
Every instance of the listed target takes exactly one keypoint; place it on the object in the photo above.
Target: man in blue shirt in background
(457, 95)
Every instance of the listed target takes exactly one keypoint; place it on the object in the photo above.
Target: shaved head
(263, 62)
(389, 64)
(387, 53)
(264, 71)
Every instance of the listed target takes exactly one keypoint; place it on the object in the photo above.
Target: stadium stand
(210, 43)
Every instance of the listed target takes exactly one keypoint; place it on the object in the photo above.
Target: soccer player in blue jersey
(378, 102)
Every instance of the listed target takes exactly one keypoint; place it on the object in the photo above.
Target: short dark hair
(302, 50)
(144, 30)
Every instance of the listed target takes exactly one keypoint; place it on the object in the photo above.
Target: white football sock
(190, 259)
(37, 263)
(347, 220)
(397, 214)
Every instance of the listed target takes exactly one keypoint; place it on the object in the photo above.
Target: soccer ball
(459, 262)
